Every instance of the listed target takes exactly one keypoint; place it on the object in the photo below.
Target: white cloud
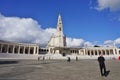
(73, 42)
(117, 41)
(51, 30)
(23, 30)
(87, 43)
(112, 5)
(108, 42)
(28, 30)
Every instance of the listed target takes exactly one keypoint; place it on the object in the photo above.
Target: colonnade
(19, 48)
(88, 51)
(99, 51)
(23, 48)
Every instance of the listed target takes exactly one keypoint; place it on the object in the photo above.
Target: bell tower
(59, 26)
(58, 39)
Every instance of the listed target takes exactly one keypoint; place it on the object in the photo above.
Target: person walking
(69, 59)
(102, 66)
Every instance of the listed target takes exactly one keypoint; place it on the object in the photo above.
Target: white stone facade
(58, 39)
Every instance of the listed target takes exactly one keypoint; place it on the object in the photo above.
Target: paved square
(57, 70)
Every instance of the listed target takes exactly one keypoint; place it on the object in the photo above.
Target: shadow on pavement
(8, 62)
(107, 73)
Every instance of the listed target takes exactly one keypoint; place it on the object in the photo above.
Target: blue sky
(90, 20)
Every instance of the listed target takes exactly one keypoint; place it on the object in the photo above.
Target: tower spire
(59, 25)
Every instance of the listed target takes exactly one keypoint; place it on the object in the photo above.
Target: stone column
(51, 51)
(48, 49)
(109, 52)
(97, 52)
(23, 49)
(79, 52)
(34, 50)
(18, 49)
(84, 51)
(94, 52)
(29, 49)
(13, 50)
(90, 52)
(114, 52)
(7, 48)
(38, 49)
(105, 52)
(1, 48)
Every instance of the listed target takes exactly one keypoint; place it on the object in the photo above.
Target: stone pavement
(57, 70)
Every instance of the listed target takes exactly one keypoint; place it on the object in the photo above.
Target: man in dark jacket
(101, 61)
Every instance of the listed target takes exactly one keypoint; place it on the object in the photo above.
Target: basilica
(56, 49)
